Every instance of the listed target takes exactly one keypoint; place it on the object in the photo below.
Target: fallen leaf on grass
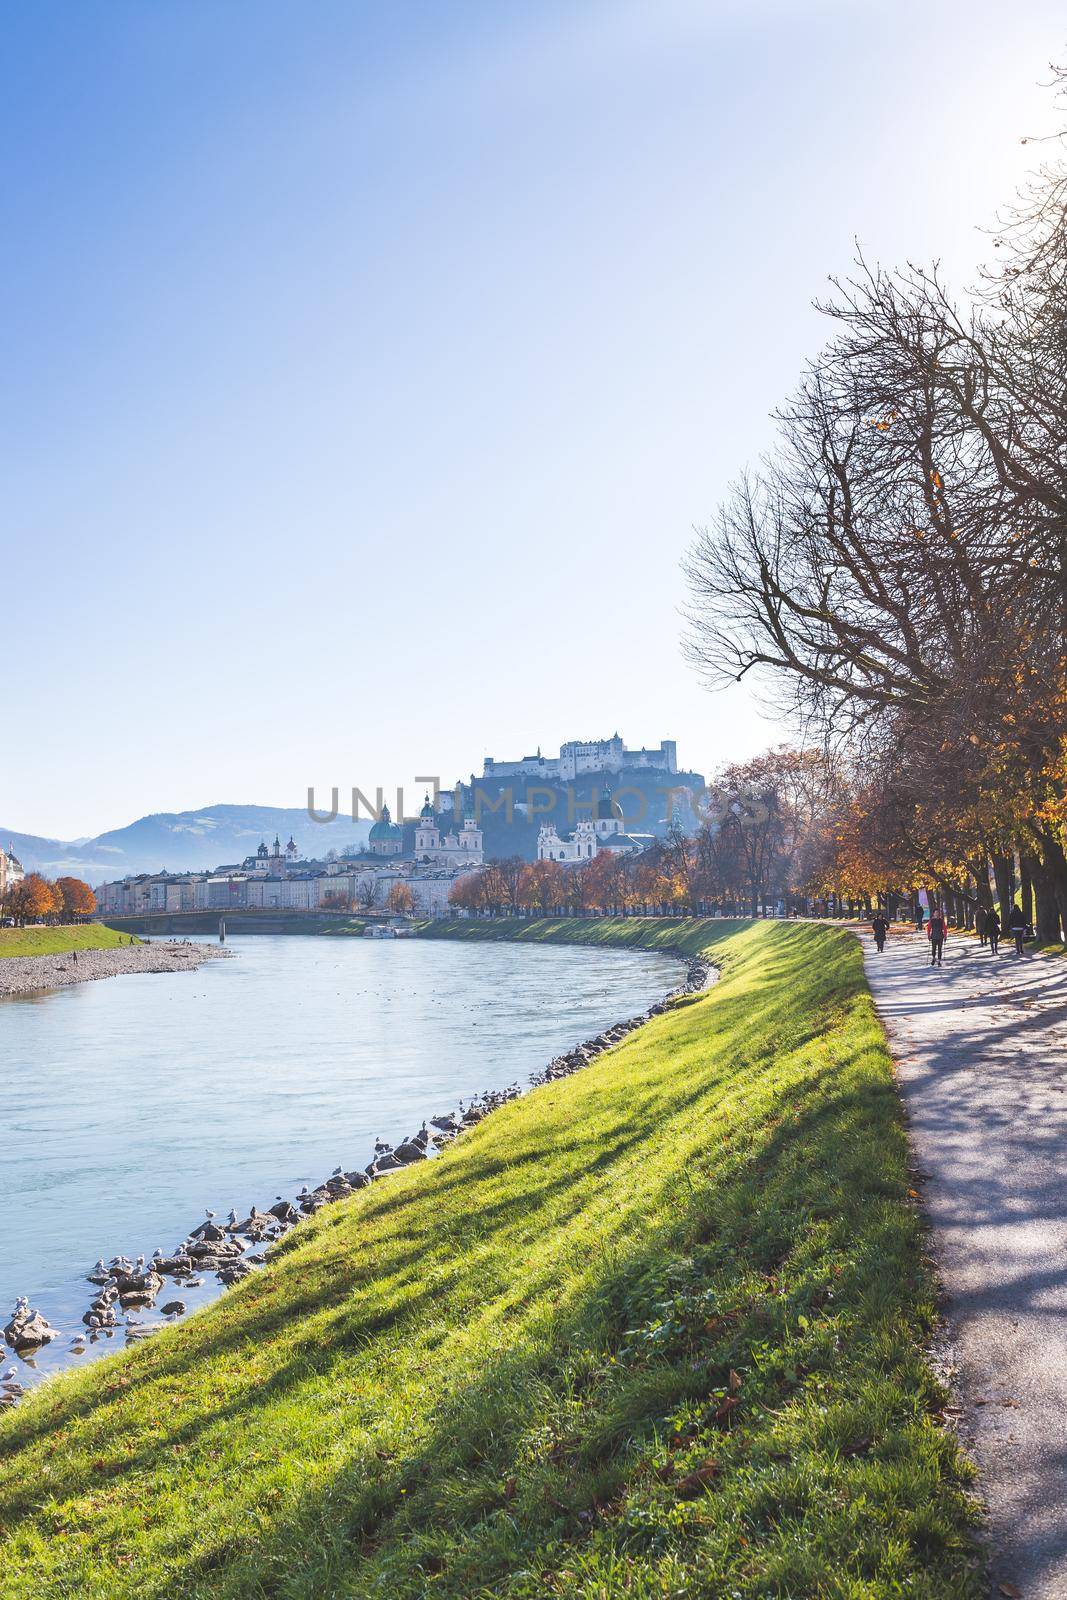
(858, 1448)
(699, 1478)
(730, 1404)
(1011, 1591)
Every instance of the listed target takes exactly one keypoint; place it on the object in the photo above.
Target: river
(132, 1104)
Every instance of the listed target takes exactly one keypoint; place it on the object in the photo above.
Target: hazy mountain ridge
(182, 841)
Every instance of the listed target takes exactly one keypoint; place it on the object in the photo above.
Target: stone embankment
(27, 974)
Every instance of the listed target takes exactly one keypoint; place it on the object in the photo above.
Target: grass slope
(654, 1330)
(54, 941)
(690, 935)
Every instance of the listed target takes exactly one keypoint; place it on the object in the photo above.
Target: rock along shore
(26, 974)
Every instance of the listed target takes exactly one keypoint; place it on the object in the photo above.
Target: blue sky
(366, 369)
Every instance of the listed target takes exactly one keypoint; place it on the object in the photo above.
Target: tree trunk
(1026, 887)
(1046, 906)
(1057, 862)
(1004, 874)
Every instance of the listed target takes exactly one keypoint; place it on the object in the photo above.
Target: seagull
(157, 1254)
(100, 1266)
(232, 1218)
(140, 1263)
(6, 1377)
(338, 1172)
(210, 1215)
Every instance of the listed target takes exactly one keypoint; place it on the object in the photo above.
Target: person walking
(879, 927)
(1017, 924)
(936, 929)
(980, 924)
(992, 928)
(920, 918)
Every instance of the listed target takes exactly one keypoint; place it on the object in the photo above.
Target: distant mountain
(182, 841)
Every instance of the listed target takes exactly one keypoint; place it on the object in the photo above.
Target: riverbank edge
(699, 975)
(42, 974)
(683, 937)
(56, 939)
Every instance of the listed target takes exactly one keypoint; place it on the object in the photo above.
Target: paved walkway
(981, 1048)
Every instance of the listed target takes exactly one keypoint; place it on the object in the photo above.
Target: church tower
(427, 833)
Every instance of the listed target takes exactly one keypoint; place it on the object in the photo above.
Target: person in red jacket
(936, 929)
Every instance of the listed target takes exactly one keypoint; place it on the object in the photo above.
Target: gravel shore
(24, 974)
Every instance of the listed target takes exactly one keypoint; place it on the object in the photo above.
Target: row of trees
(38, 899)
(896, 574)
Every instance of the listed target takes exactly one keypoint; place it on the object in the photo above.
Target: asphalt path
(981, 1051)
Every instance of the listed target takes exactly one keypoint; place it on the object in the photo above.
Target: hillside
(655, 1329)
(182, 841)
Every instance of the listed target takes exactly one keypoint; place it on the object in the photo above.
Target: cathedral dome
(385, 828)
(607, 807)
(427, 813)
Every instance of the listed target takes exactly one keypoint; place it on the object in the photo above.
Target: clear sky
(366, 368)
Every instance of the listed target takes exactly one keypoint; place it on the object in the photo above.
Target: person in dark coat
(992, 929)
(1017, 924)
(936, 929)
(879, 927)
(920, 918)
(979, 924)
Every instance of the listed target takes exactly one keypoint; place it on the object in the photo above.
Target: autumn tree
(78, 900)
(542, 886)
(32, 900)
(401, 901)
(898, 571)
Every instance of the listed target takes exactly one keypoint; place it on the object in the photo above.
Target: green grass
(690, 935)
(654, 1330)
(54, 941)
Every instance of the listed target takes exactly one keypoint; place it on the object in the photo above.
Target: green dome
(427, 813)
(385, 828)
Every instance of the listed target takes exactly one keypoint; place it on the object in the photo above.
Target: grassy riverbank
(56, 941)
(654, 1330)
(689, 935)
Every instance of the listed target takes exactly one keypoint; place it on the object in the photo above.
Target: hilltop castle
(580, 757)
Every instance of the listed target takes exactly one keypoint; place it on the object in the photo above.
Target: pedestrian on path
(936, 930)
(1017, 924)
(920, 918)
(992, 928)
(980, 920)
(879, 927)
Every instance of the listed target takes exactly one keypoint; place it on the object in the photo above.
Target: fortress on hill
(581, 757)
